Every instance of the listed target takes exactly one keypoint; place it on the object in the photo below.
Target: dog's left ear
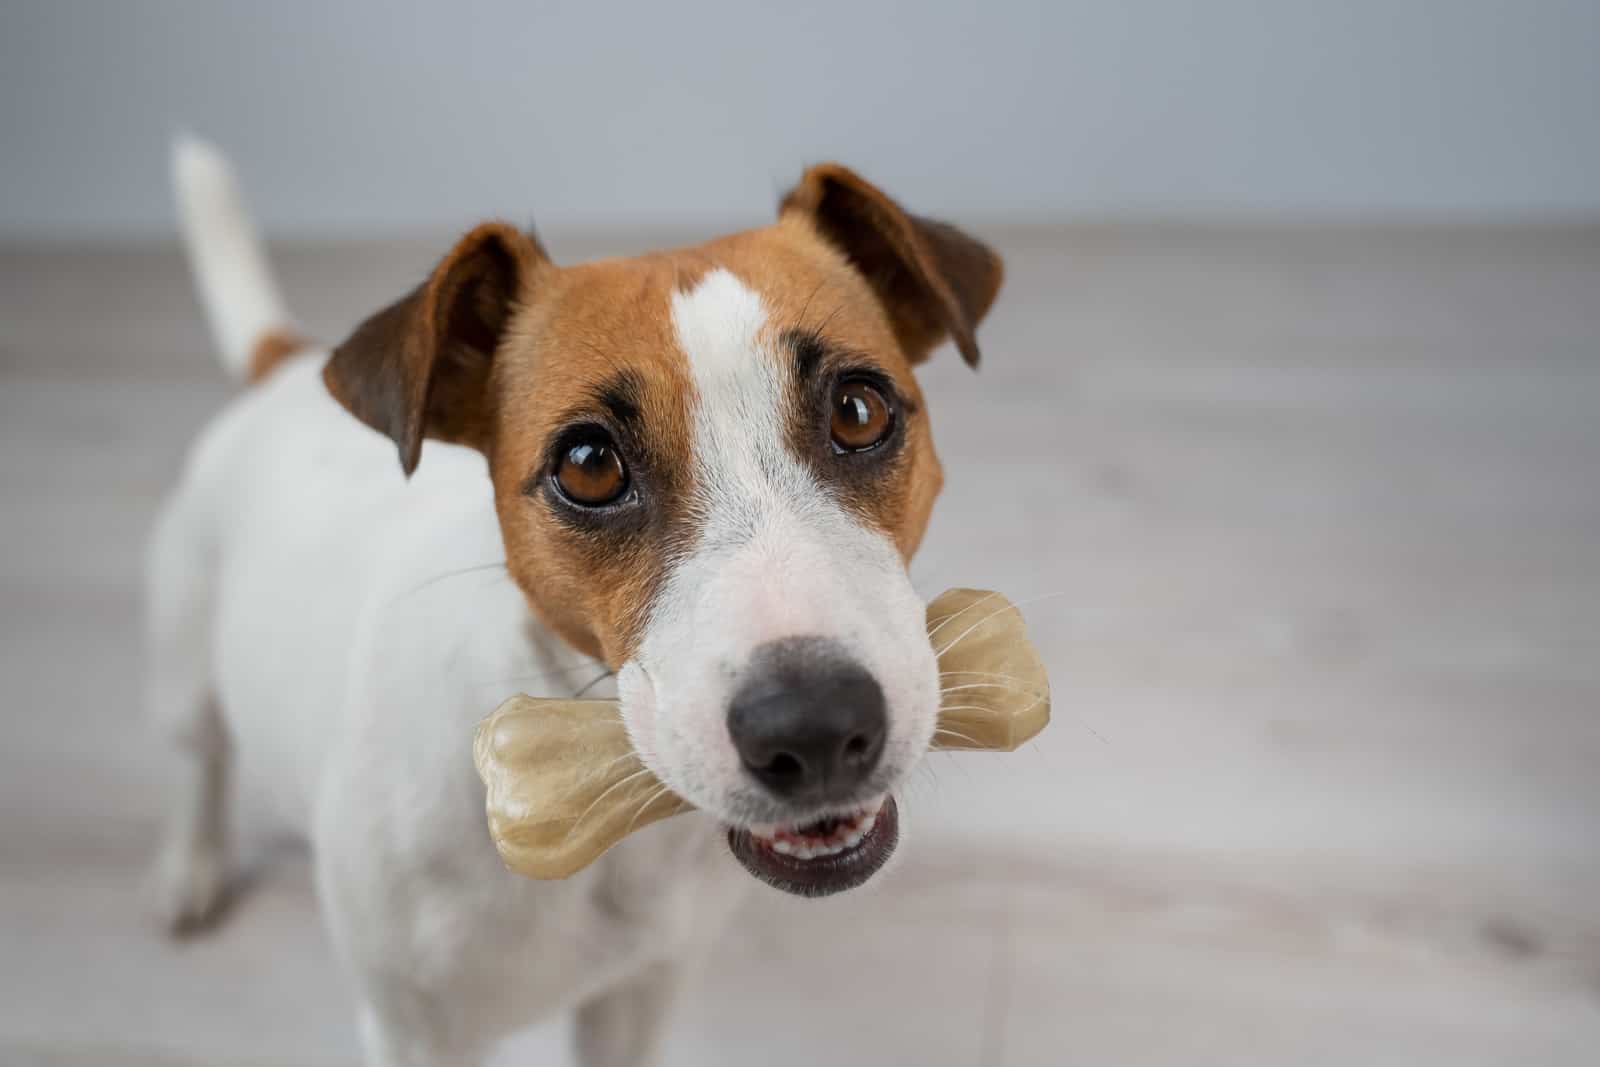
(932, 279)
(420, 367)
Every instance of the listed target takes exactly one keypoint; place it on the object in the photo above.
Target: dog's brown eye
(590, 472)
(862, 417)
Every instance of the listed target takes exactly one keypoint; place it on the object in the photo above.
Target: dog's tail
(252, 328)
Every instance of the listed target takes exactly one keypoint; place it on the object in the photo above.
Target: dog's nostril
(809, 722)
(783, 765)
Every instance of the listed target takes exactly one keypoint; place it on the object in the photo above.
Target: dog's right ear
(420, 367)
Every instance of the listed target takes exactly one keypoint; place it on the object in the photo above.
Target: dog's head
(711, 467)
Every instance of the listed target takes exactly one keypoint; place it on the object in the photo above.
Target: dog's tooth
(848, 831)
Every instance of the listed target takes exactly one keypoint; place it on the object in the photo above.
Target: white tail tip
(235, 283)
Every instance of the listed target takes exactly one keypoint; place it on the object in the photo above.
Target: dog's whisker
(800, 323)
(641, 772)
(624, 757)
(981, 674)
(1098, 735)
(1041, 698)
(436, 579)
(539, 676)
(960, 766)
(994, 614)
(565, 668)
(649, 800)
(942, 623)
(958, 735)
(602, 676)
(831, 316)
(983, 707)
(1016, 686)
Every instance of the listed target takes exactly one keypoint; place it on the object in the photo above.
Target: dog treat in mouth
(564, 783)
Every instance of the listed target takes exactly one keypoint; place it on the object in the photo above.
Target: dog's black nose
(809, 722)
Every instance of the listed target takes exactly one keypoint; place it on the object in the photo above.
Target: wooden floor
(1314, 517)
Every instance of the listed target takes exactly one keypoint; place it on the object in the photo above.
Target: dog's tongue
(563, 783)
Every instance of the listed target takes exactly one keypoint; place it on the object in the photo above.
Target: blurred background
(1289, 416)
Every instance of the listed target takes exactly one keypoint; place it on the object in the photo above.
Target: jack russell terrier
(704, 470)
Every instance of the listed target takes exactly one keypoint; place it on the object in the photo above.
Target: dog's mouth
(826, 856)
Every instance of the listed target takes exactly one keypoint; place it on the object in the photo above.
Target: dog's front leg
(622, 1027)
(407, 1032)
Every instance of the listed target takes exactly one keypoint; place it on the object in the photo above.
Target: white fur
(776, 556)
(318, 615)
(301, 588)
(236, 286)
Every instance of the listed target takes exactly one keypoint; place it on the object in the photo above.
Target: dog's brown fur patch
(589, 325)
(591, 322)
(271, 350)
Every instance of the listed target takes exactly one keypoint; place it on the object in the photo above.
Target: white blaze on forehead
(718, 322)
(747, 480)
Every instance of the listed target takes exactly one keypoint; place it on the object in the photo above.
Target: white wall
(364, 117)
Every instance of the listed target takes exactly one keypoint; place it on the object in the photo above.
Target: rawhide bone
(564, 783)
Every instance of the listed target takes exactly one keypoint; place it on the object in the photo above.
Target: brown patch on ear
(271, 349)
(933, 280)
(420, 367)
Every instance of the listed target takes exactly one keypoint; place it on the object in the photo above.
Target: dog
(701, 473)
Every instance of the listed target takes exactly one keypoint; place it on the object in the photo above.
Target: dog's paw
(187, 888)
